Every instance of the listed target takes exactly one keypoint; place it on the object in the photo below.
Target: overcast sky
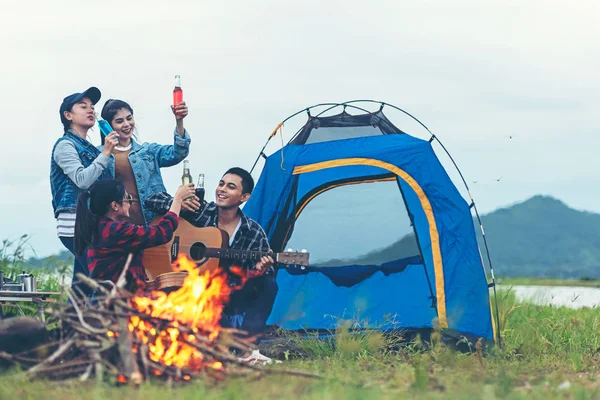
(475, 72)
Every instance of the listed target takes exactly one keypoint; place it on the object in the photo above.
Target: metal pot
(28, 281)
(30, 284)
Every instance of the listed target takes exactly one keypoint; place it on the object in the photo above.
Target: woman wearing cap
(138, 165)
(76, 164)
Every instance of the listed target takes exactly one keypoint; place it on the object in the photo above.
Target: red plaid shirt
(116, 239)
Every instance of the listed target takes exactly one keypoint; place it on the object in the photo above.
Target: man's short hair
(247, 180)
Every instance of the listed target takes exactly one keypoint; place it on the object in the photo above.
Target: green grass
(548, 282)
(543, 348)
(50, 278)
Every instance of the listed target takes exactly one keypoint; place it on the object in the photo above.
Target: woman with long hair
(103, 229)
(138, 165)
(76, 164)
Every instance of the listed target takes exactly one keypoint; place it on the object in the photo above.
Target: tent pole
(262, 153)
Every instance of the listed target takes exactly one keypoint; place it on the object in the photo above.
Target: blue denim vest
(64, 191)
(146, 161)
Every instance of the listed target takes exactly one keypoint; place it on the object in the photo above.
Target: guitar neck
(240, 255)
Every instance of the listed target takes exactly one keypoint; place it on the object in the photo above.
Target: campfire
(173, 336)
(193, 313)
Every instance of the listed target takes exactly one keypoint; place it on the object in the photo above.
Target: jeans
(254, 301)
(79, 265)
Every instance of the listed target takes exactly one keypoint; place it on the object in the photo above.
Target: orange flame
(197, 304)
(217, 365)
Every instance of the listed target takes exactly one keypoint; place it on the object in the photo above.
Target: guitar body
(187, 240)
(207, 247)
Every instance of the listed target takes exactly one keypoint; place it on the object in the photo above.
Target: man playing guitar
(255, 299)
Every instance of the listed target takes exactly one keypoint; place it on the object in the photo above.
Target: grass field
(548, 353)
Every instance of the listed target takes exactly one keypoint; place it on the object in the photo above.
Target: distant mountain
(540, 237)
(544, 237)
(405, 247)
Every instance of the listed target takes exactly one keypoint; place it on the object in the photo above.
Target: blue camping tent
(391, 240)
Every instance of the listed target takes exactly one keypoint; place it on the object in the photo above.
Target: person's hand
(264, 264)
(109, 143)
(184, 192)
(180, 111)
(191, 204)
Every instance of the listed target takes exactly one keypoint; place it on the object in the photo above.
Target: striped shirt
(65, 224)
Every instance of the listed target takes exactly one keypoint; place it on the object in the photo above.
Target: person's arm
(132, 238)
(260, 242)
(68, 159)
(180, 111)
(173, 154)
(160, 203)
(138, 237)
(183, 192)
(263, 243)
(170, 155)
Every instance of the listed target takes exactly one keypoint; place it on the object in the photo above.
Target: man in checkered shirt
(256, 298)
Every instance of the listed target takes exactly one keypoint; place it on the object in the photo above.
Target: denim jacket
(146, 161)
(64, 190)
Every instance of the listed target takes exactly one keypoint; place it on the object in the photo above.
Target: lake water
(568, 296)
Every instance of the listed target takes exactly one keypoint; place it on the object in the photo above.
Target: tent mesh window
(355, 224)
(344, 126)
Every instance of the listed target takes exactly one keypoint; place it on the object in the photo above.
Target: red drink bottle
(177, 92)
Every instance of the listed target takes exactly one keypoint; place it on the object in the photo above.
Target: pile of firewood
(104, 339)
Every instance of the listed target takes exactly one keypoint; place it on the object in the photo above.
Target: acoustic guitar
(207, 247)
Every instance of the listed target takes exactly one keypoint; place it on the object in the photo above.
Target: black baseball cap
(92, 93)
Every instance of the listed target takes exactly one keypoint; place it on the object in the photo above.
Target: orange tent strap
(275, 130)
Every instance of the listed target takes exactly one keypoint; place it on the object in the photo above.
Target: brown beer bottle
(199, 189)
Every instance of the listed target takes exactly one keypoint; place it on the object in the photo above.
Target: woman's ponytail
(86, 224)
(91, 206)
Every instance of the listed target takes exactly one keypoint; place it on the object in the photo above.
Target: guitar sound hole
(197, 251)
